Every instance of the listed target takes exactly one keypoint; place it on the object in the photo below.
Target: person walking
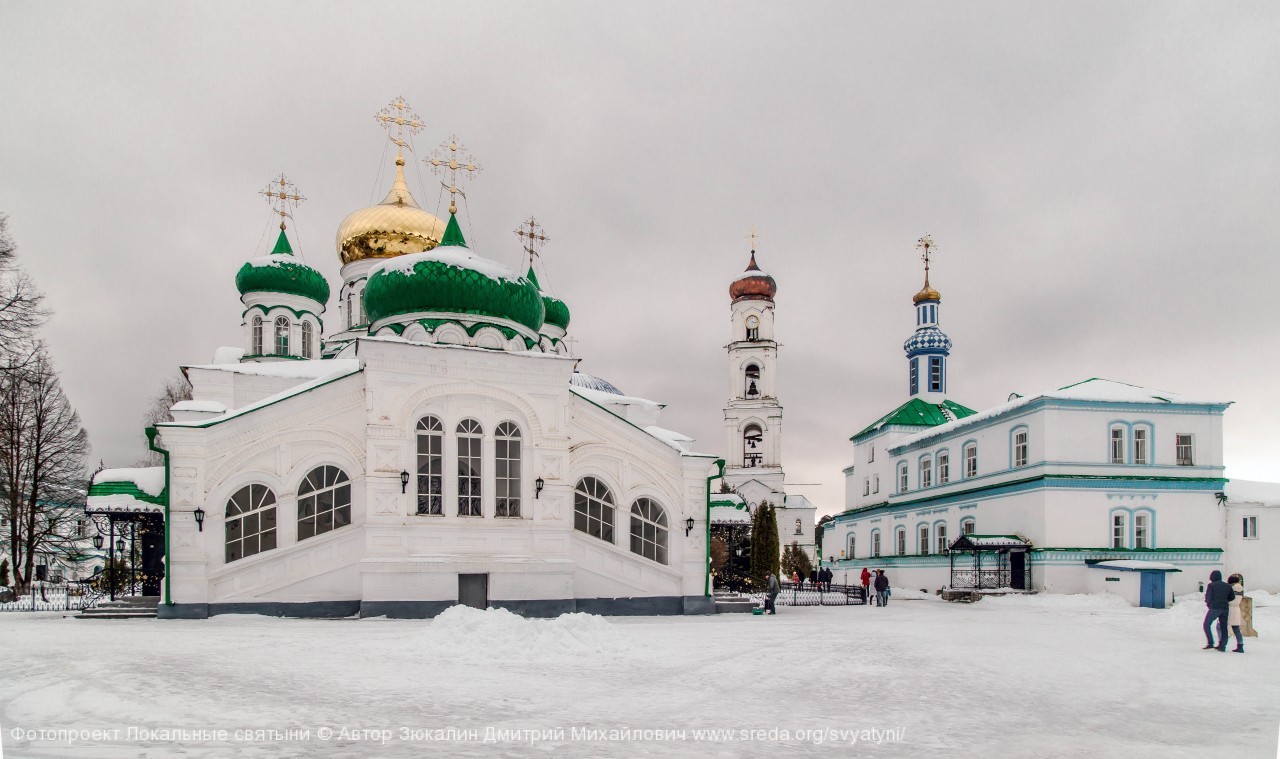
(796, 579)
(866, 586)
(1234, 619)
(771, 594)
(1217, 597)
(882, 587)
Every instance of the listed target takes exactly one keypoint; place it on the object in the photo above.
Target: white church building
(438, 448)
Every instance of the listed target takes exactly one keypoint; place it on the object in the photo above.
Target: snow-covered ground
(1027, 676)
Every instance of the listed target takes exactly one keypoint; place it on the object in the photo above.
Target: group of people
(818, 578)
(878, 581)
(1224, 600)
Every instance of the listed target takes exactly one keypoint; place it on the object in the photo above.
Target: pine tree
(770, 545)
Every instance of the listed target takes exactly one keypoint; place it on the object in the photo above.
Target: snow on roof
(339, 368)
(581, 379)
(1094, 389)
(992, 541)
(1249, 491)
(670, 437)
(149, 480)
(273, 259)
(604, 399)
(312, 369)
(730, 514)
(449, 255)
(1136, 565)
(227, 355)
(208, 407)
(726, 498)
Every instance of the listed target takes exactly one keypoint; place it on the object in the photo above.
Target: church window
(913, 378)
(799, 527)
(944, 467)
(941, 534)
(351, 314)
(251, 522)
(853, 543)
(470, 437)
(875, 544)
(1182, 444)
(752, 388)
(1119, 530)
(871, 454)
(1141, 531)
(968, 526)
(430, 466)
(971, 460)
(1117, 445)
(1250, 528)
(902, 477)
(306, 339)
(1020, 447)
(507, 470)
(876, 484)
(926, 472)
(924, 539)
(935, 374)
(752, 446)
(257, 336)
(866, 486)
(324, 501)
(900, 541)
(360, 317)
(593, 509)
(753, 328)
(282, 335)
(1140, 438)
(649, 530)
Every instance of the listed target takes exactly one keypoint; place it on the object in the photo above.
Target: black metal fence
(815, 594)
(46, 596)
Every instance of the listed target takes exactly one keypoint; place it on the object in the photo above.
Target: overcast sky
(1102, 181)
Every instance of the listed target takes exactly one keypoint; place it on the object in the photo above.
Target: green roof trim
(282, 275)
(125, 488)
(917, 413)
(453, 233)
(282, 245)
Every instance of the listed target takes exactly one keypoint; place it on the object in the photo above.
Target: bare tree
(21, 311)
(174, 390)
(42, 468)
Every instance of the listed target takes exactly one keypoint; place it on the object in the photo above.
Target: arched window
(282, 335)
(923, 539)
(875, 544)
(430, 466)
(1141, 444)
(351, 313)
(944, 467)
(752, 387)
(324, 501)
(900, 541)
(941, 532)
(1142, 529)
(251, 522)
(593, 509)
(853, 544)
(1119, 529)
(1117, 444)
(753, 328)
(971, 460)
(507, 470)
(257, 336)
(306, 339)
(752, 446)
(470, 436)
(902, 477)
(649, 530)
(1020, 446)
(968, 526)
(926, 472)
(799, 527)
(360, 317)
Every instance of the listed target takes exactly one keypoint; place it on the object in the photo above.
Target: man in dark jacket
(1218, 597)
(771, 596)
(882, 588)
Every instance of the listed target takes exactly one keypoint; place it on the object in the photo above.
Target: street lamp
(120, 547)
(97, 542)
(688, 526)
(199, 515)
(404, 480)
(538, 484)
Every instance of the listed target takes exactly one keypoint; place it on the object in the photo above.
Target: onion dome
(753, 284)
(578, 379)
(927, 293)
(394, 227)
(449, 281)
(927, 340)
(556, 312)
(281, 272)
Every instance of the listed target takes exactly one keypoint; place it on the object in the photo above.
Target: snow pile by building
(1074, 601)
(463, 633)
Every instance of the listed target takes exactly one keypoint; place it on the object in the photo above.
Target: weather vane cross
(926, 244)
(532, 236)
(752, 236)
(398, 118)
(283, 197)
(453, 160)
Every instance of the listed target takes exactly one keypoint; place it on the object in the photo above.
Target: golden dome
(927, 292)
(394, 227)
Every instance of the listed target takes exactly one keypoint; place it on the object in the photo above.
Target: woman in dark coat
(882, 587)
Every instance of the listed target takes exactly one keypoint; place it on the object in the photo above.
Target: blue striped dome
(927, 340)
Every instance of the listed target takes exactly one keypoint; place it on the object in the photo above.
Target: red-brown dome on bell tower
(753, 284)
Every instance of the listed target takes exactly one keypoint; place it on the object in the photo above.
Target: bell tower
(753, 416)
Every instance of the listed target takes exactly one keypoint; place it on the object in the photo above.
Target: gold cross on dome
(532, 237)
(283, 197)
(397, 118)
(752, 236)
(453, 160)
(926, 244)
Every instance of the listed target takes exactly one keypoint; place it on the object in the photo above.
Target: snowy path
(1024, 677)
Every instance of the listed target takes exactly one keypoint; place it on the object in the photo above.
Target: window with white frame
(257, 335)
(871, 454)
(875, 484)
(1250, 528)
(649, 530)
(900, 541)
(351, 312)
(944, 467)
(902, 477)
(1020, 448)
(1141, 531)
(282, 335)
(593, 509)
(324, 501)
(941, 533)
(926, 472)
(935, 374)
(1117, 445)
(506, 464)
(971, 460)
(866, 486)
(306, 339)
(799, 527)
(853, 544)
(1119, 530)
(968, 526)
(250, 522)
(1140, 445)
(430, 466)
(913, 377)
(1182, 445)
(470, 438)
(875, 544)
(923, 538)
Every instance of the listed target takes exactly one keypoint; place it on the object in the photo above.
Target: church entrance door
(473, 591)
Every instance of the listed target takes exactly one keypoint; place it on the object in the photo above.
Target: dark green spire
(533, 278)
(453, 233)
(282, 245)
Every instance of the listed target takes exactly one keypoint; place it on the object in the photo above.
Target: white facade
(1252, 528)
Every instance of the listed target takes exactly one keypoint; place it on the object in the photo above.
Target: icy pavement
(1040, 676)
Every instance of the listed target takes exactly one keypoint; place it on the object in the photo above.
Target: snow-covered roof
(989, 541)
(1137, 565)
(606, 399)
(450, 255)
(227, 355)
(149, 480)
(1250, 491)
(670, 437)
(1095, 389)
(132, 490)
(207, 407)
(581, 379)
(310, 369)
(338, 368)
(729, 508)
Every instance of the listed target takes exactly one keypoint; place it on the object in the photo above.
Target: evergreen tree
(759, 557)
(769, 544)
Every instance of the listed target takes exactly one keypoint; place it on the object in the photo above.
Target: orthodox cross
(283, 197)
(450, 159)
(752, 236)
(926, 243)
(397, 118)
(570, 341)
(532, 237)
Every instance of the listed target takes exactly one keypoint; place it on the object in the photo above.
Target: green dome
(280, 272)
(557, 312)
(451, 279)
